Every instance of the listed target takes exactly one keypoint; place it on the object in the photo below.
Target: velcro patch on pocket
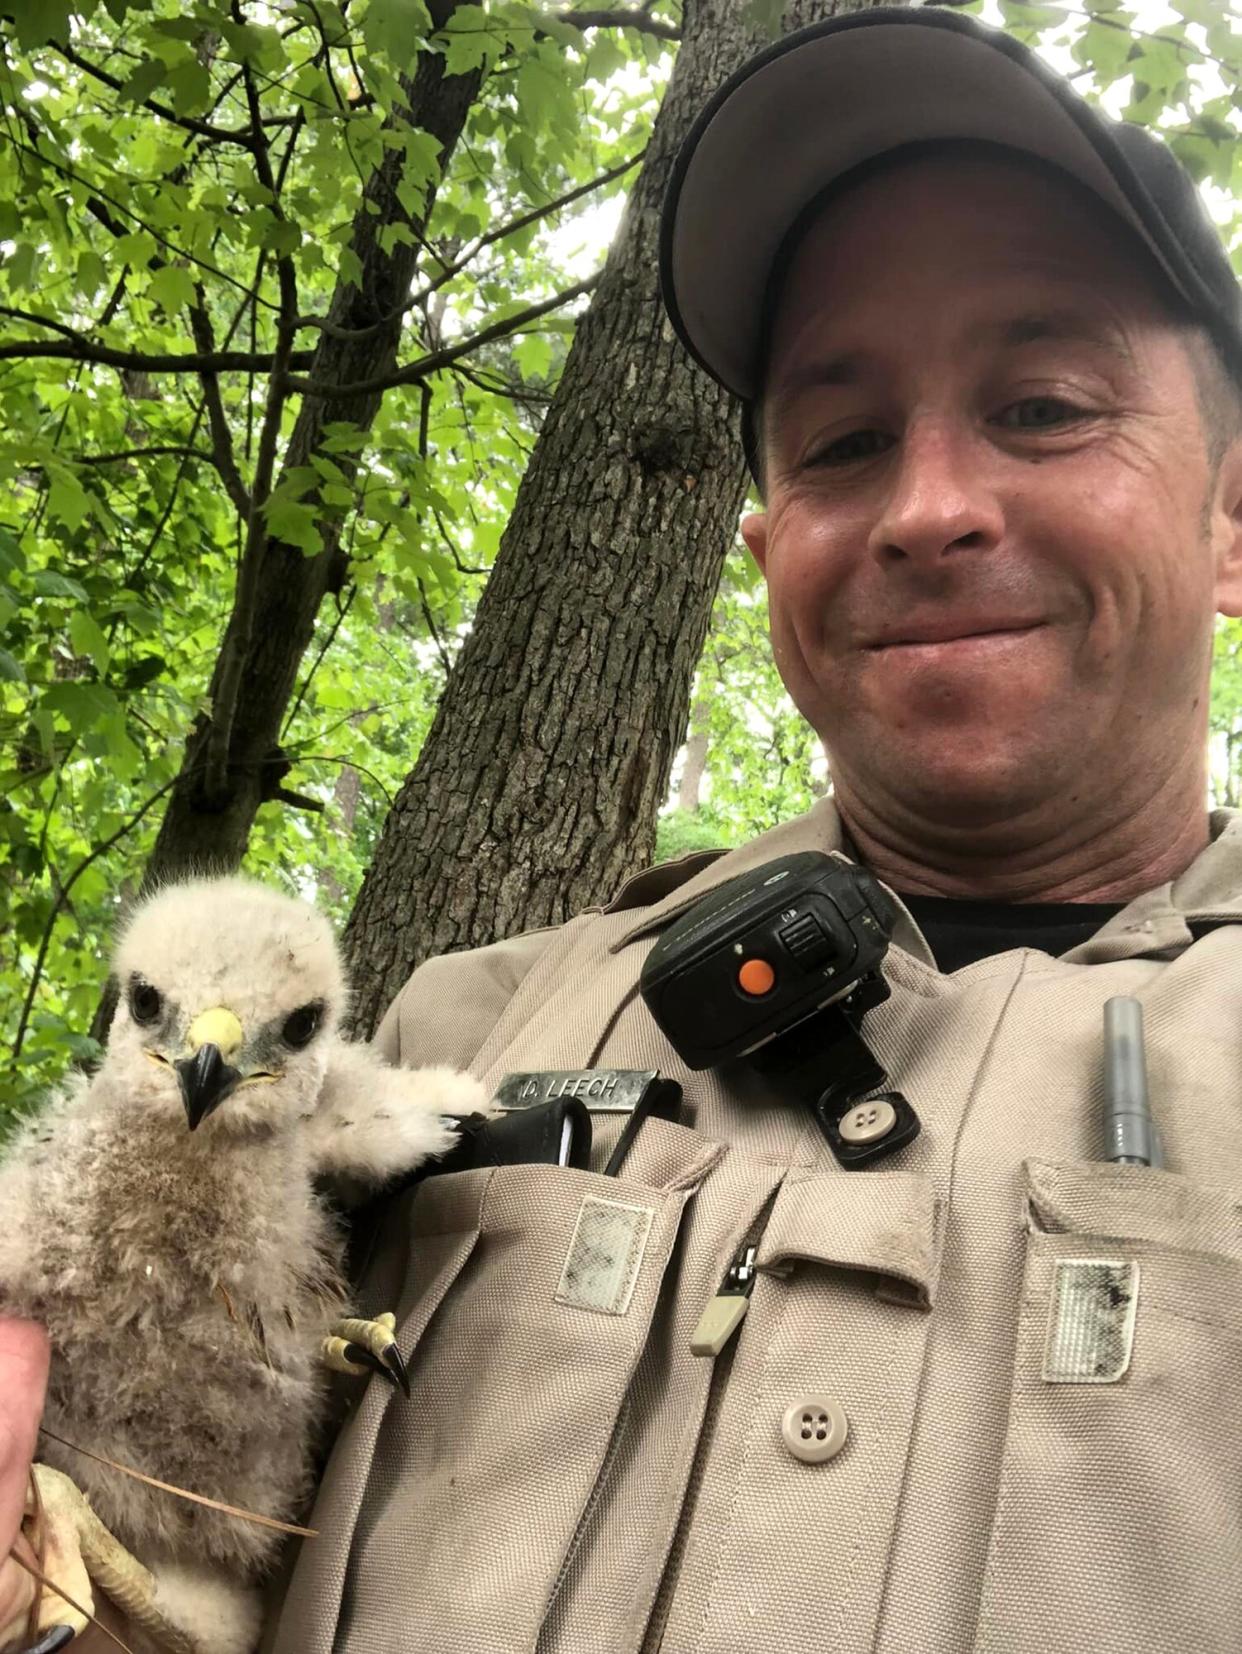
(1091, 1320)
(604, 1256)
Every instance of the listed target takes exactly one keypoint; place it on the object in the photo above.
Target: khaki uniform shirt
(1038, 1357)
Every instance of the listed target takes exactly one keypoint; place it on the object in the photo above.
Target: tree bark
(695, 764)
(201, 830)
(537, 789)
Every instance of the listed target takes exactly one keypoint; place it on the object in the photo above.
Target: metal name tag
(603, 1090)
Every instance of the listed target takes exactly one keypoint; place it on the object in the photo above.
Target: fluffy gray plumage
(188, 1277)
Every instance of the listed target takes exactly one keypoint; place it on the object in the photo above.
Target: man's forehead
(1013, 257)
(1009, 331)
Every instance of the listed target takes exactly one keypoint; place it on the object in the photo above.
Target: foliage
(136, 228)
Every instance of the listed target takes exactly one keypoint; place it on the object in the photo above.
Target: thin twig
(342, 611)
(204, 129)
(445, 660)
(45, 940)
(420, 369)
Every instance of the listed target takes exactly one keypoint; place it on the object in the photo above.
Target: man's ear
(1226, 520)
(755, 534)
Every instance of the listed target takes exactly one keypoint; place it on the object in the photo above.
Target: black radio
(779, 966)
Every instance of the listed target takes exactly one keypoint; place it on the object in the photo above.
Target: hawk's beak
(206, 1078)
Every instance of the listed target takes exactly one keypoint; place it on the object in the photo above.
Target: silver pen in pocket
(1130, 1137)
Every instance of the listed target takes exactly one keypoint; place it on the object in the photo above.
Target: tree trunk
(537, 789)
(201, 831)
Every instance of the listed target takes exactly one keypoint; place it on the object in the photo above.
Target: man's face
(994, 541)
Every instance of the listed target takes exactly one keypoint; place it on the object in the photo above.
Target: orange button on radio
(756, 977)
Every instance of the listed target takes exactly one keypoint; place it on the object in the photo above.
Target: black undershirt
(959, 933)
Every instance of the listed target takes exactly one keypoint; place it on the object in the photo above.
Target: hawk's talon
(358, 1346)
(54, 1638)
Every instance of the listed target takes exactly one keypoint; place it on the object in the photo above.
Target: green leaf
(189, 87)
(67, 502)
(469, 42)
(143, 79)
(88, 639)
(10, 669)
(21, 267)
(296, 525)
(281, 237)
(38, 21)
(92, 272)
(187, 29)
(48, 583)
(254, 43)
(341, 436)
(81, 704)
(1105, 50)
(349, 267)
(533, 355)
(172, 288)
(395, 29)
(143, 671)
(12, 557)
(1027, 14)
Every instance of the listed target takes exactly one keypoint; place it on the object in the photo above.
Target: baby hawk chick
(162, 1221)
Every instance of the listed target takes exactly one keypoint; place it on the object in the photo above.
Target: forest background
(288, 295)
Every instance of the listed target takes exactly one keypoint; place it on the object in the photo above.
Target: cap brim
(824, 102)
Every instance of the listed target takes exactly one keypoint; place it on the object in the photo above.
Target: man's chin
(969, 780)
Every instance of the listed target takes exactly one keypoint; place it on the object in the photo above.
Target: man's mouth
(953, 635)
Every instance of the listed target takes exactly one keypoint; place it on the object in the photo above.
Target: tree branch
(40, 321)
(157, 450)
(424, 366)
(205, 129)
(511, 227)
(221, 435)
(622, 18)
(445, 659)
(240, 631)
(151, 361)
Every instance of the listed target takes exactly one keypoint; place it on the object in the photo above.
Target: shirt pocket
(478, 1483)
(836, 1331)
(1118, 1523)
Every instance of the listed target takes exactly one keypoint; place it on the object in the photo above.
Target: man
(985, 1395)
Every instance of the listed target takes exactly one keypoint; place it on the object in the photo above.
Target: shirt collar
(1157, 922)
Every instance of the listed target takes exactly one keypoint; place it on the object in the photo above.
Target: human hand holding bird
(163, 1222)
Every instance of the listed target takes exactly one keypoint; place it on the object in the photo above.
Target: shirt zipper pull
(727, 1310)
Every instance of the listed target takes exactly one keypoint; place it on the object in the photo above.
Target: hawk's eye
(145, 1002)
(302, 1025)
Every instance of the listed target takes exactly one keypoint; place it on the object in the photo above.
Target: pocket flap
(1135, 1203)
(881, 1222)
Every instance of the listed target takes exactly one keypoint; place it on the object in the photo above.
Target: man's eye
(855, 445)
(1037, 413)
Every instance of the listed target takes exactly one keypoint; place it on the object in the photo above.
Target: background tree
(141, 264)
(217, 220)
(537, 789)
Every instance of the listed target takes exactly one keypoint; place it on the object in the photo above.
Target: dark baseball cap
(831, 100)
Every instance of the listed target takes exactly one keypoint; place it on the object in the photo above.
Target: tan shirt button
(868, 1122)
(814, 1429)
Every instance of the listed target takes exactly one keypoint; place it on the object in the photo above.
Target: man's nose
(941, 497)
